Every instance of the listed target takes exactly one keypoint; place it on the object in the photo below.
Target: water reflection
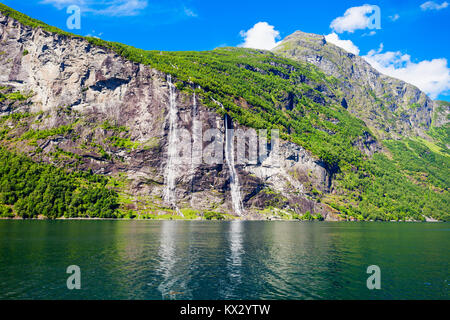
(168, 258)
(236, 248)
(175, 260)
(234, 260)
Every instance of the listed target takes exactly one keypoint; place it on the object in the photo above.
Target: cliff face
(89, 108)
(391, 107)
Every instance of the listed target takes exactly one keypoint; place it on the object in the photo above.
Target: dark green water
(223, 260)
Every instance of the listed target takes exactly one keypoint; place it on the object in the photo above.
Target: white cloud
(190, 12)
(371, 33)
(344, 44)
(116, 8)
(431, 5)
(119, 8)
(94, 34)
(355, 18)
(60, 4)
(430, 76)
(261, 36)
(395, 17)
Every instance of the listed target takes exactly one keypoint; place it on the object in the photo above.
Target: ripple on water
(209, 260)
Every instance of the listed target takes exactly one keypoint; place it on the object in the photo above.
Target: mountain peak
(304, 35)
(365, 90)
(301, 39)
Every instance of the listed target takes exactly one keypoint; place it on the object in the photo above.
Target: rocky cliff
(118, 115)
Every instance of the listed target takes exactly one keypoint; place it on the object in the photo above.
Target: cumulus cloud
(431, 5)
(431, 76)
(344, 44)
(261, 36)
(356, 18)
(115, 8)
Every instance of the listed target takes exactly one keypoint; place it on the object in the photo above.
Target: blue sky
(412, 44)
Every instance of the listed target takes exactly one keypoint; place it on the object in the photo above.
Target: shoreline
(213, 220)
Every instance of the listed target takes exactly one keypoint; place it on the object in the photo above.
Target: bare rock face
(441, 113)
(391, 107)
(115, 116)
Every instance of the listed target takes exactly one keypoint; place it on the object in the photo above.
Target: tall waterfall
(171, 173)
(234, 179)
(196, 146)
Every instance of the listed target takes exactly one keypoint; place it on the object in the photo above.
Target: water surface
(223, 260)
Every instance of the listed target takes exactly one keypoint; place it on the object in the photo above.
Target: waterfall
(171, 174)
(196, 146)
(234, 179)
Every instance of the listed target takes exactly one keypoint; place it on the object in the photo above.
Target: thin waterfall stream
(196, 155)
(236, 197)
(171, 173)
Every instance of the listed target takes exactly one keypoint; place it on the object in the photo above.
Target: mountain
(390, 107)
(96, 123)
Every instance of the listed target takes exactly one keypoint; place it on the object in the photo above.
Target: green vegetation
(412, 185)
(59, 153)
(13, 96)
(124, 143)
(414, 106)
(100, 150)
(16, 96)
(274, 199)
(119, 141)
(213, 216)
(35, 135)
(190, 214)
(110, 127)
(416, 158)
(6, 212)
(442, 136)
(308, 217)
(35, 189)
